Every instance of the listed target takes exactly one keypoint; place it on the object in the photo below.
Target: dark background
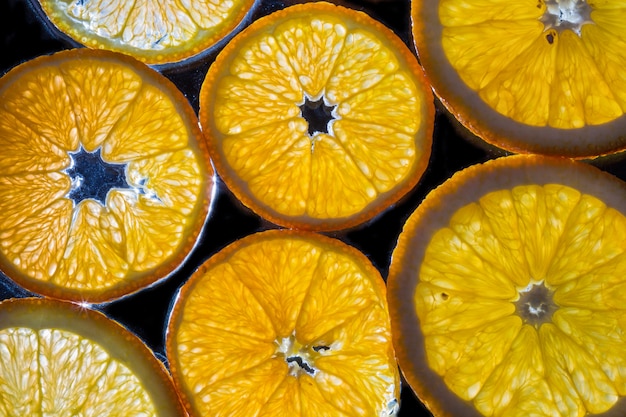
(25, 35)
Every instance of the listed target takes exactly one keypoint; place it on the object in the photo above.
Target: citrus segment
(30, 245)
(26, 151)
(155, 32)
(139, 133)
(93, 256)
(96, 113)
(286, 323)
(42, 104)
(505, 291)
(60, 359)
(318, 117)
(114, 164)
(531, 77)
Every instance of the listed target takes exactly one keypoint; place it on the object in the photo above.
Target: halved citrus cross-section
(153, 31)
(284, 323)
(507, 291)
(59, 359)
(105, 180)
(318, 117)
(540, 76)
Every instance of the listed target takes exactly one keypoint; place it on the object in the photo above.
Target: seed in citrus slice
(318, 117)
(105, 179)
(531, 77)
(153, 31)
(507, 291)
(60, 359)
(284, 323)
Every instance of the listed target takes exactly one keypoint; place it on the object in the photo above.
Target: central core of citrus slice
(318, 114)
(92, 177)
(299, 358)
(535, 304)
(566, 14)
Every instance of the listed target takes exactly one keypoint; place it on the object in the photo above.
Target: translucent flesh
(93, 103)
(536, 75)
(243, 308)
(56, 372)
(371, 147)
(471, 276)
(153, 30)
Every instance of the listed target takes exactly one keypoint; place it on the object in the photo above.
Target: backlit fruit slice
(284, 323)
(507, 291)
(105, 180)
(533, 76)
(153, 31)
(60, 359)
(318, 117)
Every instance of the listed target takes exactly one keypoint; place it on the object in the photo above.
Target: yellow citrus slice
(59, 359)
(153, 31)
(284, 323)
(318, 117)
(507, 291)
(541, 76)
(105, 180)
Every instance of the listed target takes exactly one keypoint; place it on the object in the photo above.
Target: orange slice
(535, 76)
(507, 291)
(61, 359)
(284, 323)
(318, 117)
(105, 180)
(153, 31)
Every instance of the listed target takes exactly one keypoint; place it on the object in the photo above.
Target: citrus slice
(60, 359)
(536, 76)
(284, 323)
(105, 180)
(318, 117)
(507, 291)
(153, 31)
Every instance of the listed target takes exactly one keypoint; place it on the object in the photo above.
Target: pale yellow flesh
(274, 299)
(52, 372)
(537, 75)
(94, 104)
(155, 31)
(474, 271)
(370, 147)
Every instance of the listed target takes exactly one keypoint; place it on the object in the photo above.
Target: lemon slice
(535, 76)
(507, 291)
(105, 179)
(284, 323)
(318, 117)
(61, 359)
(153, 31)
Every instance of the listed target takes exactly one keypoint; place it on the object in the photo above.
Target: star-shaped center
(318, 115)
(92, 177)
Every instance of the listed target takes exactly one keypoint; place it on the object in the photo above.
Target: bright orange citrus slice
(507, 291)
(105, 180)
(541, 76)
(318, 117)
(59, 359)
(153, 31)
(284, 323)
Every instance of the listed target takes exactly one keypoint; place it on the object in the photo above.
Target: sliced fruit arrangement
(284, 323)
(62, 359)
(507, 291)
(318, 117)
(533, 76)
(153, 31)
(105, 180)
